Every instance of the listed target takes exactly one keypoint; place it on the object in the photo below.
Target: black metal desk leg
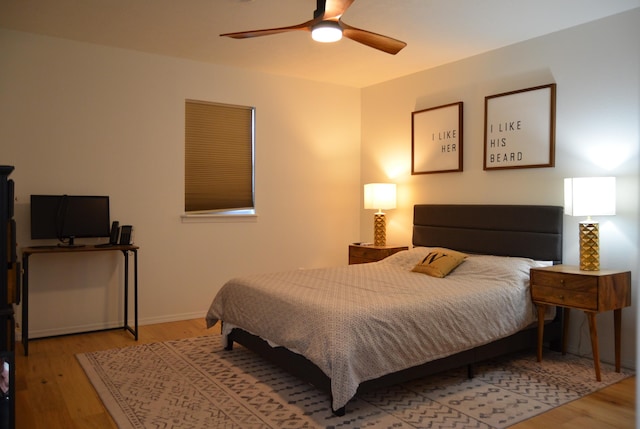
(133, 330)
(135, 290)
(126, 288)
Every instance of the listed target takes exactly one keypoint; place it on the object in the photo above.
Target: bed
(352, 328)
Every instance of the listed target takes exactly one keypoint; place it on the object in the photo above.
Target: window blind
(218, 156)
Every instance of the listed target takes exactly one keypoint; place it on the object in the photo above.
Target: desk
(27, 252)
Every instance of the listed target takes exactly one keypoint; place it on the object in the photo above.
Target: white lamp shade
(380, 196)
(590, 196)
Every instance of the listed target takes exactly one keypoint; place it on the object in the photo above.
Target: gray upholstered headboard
(503, 230)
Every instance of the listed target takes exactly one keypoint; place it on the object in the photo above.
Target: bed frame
(503, 230)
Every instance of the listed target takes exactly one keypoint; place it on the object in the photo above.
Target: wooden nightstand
(363, 254)
(591, 291)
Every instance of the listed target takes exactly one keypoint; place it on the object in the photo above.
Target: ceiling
(436, 31)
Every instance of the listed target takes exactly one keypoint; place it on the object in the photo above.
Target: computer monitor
(67, 217)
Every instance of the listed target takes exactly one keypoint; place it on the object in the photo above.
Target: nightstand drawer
(565, 297)
(565, 289)
(576, 283)
(365, 254)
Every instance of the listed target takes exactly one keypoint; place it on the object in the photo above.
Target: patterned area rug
(194, 383)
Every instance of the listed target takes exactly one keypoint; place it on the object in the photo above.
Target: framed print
(436, 140)
(520, 128)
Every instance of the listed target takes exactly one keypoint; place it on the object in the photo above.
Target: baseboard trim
(171, 318)
(69, 330)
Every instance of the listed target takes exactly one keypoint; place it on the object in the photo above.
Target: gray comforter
(360, 322)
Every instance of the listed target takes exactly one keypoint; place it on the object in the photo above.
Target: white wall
(84, 119)
(596, 68)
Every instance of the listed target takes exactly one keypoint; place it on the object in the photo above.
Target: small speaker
(126, 232)
(115, 232)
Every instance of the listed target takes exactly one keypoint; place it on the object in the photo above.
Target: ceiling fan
(327, 26)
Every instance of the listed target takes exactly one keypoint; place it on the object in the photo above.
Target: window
(219, 146)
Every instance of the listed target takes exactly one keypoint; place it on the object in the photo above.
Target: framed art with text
(519, 128)
(436, 140)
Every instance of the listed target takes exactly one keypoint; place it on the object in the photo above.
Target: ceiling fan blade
(332, 9)
(269, 31)
(373, 40)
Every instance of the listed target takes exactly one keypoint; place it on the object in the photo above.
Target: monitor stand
(71, 243)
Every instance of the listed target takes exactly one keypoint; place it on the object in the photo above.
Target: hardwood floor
(52, 391)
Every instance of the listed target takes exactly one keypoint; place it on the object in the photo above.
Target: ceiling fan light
(326, 32)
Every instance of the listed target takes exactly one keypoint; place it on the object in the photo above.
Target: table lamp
(590, 196)
(379, 196)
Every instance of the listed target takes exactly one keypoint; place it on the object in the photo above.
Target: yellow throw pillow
(439, 262)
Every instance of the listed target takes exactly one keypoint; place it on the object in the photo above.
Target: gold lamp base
(379, 230)
(589, 246)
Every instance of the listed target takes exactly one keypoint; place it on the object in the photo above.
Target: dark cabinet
(9, 295)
